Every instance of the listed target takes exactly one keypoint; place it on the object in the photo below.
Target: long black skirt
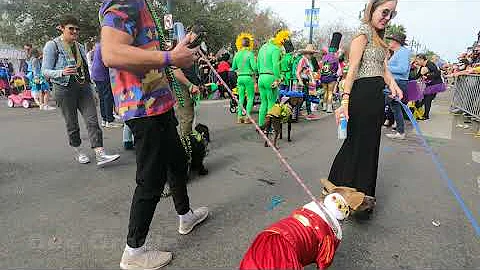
(356, 163)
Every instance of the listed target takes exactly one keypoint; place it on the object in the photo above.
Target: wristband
(346, 94)
(190, 86)
(344, 102)
(166, 58)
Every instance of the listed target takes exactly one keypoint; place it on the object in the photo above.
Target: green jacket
(286, 67)
(269, 59)
(244, 63)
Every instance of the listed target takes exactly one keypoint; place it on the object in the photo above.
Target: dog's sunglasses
(386, 13)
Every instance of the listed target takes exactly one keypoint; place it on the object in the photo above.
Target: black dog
(199, 140)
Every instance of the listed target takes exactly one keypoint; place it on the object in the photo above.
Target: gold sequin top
(372, 63)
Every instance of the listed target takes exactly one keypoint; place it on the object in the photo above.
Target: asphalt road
(56, 213)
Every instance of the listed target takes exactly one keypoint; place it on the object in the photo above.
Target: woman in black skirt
(356, 163)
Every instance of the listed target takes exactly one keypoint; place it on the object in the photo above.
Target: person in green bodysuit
(269, 57)
(244, 64)
(286, 66)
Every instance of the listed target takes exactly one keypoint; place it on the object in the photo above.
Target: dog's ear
(354, 199)
(327, 185)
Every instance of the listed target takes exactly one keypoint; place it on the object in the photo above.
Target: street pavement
(56, 213)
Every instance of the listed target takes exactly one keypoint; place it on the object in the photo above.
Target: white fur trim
(316, 209)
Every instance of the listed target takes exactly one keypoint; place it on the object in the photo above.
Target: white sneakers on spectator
(47, 108)
(191, 219)
(396, 136)
(103, 158)
(111, 124)
(140, 258)
(100, 155)
(82, 158)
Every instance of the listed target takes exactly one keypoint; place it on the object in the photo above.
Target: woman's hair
(422, 56)
(378, 35)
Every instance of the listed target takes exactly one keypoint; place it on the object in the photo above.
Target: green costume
(286, 68)
(244, 64)
(269, 71)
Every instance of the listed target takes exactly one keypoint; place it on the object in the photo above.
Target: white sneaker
(192, 219)
(103, 158)
(82, 158)
(397, 136)
(329, 108)
(394, 126)
(148, 260)
(104, 123)
(113, 125)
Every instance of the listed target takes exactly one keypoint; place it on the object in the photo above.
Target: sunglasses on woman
(389, 13)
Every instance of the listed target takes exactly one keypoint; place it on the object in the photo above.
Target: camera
(197, 30)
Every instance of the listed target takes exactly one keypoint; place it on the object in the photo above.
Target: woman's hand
(396, 91)
(343, 109)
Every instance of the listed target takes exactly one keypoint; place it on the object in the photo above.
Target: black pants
(222, 88)
(160, 156)
(71, 99)
(356, 163)
(308, 104)
(105, 95)
(427, 101)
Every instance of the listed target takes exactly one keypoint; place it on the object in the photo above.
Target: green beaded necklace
(163, 46)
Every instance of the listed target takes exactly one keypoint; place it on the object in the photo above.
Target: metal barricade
(466, 95)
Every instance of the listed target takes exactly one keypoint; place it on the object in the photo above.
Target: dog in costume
(278, 115)
(245, 66)
(310, 235)
(329, 73)
(268, 60)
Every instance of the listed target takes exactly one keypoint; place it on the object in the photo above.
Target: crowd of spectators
(468, 62)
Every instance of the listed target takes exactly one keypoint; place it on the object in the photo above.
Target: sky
(446, 27)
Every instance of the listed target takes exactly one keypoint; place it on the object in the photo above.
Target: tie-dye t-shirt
(137, 95)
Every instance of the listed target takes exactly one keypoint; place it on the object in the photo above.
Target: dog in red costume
(306, 236)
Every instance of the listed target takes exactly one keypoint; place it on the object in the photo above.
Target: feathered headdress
(240, 39)
(280, 37)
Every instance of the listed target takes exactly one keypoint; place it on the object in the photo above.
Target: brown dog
(274, 120)
(310, 235)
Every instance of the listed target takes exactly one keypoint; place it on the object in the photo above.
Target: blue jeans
(106, 100)
(397, 107)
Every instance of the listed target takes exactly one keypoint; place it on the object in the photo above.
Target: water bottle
(342, 128)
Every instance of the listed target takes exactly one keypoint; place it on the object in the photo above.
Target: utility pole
(311, 23)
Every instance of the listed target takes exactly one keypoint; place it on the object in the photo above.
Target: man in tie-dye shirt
(141, 81)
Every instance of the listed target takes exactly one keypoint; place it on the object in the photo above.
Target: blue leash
(442, 171)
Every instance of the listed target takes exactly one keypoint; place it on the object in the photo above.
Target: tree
(395, 29)
(322, 36)
(34, 21)
(28, 21)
